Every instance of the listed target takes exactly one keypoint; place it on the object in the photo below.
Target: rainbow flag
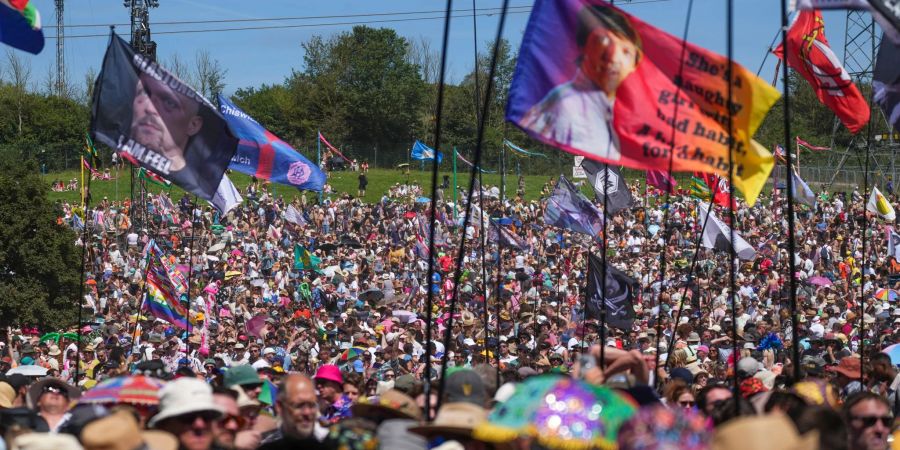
(166, 286)
(151, 177)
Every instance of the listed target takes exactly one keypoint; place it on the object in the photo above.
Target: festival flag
(886, 81)
(810, 55)
(157, 122)
(89, 168)
(20, 26)
(569, 208)
(305, 260)
(893, 243)
(718, 187)
(809, 146)
(567, 93)
(699, 189)
(166, 289)
(619, 294)
(505, 236)
(91, 157)
(469, 163)
(802, 193)
(608, 182)
(661, 180)
(227, 196)
(885, 12)
(716, 236)
(422, 152)
(519, 151)
(151, 177)
(294, 216)
(263, 155)
(880, 205)
(333, 148)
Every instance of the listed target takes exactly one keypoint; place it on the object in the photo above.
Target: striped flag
(717, 235)
(809, 146)
(166, 289)
(151, 177)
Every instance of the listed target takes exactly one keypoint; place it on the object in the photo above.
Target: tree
(39, 263)
(210, 75)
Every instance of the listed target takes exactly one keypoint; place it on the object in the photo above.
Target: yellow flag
(879, 205)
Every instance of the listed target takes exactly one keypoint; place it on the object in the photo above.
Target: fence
(832, 179)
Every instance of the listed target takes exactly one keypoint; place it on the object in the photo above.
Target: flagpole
(789, 185)
(604, 242)
(319, 158)
(455, 201)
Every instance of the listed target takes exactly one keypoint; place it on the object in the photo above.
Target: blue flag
(20, 27)
(422, 152)
(802, 193)
(569, 208)
(263, 155)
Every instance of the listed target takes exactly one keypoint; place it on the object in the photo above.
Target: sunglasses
(55, 390)
(870, 421)
(686, 403)
(239, 420)
(207, 416)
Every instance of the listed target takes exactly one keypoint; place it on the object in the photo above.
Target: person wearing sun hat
(455, 421)
(334, 405)
(187, 410)
(120, 431)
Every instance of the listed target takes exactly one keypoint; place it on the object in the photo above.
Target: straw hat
(120, 431)
(769, 432)
(45, 441)
(392, 404)
(456, 419)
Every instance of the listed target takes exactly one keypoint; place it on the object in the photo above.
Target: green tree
(39, 263)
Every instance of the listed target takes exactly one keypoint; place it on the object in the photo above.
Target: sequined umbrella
(560, 413)
(134, 390)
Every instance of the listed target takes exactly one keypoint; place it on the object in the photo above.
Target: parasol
(216, 248)
(352, 353)
(404, 316)
(133, 390)
(894, 352)
(231, 274)
(371, 295)
(561, 413)
(819, 281)
(28, 371)
(327, 247)
(50, 336)
(886, 295)
(423, 200)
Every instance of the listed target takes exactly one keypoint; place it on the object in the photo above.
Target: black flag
(608, 182)
(156, 121)
(887, 81)
(619, 294)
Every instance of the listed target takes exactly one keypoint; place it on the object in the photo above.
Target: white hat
(42, 441)
(268, 350)
(184, 396)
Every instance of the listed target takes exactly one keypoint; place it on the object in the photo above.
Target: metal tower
(861, 42)
(140, 26)
(60, 85)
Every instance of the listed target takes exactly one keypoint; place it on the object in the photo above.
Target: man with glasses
(228, 429)
(51, 397)
(187, 411)
(298, 408)
(869, 419)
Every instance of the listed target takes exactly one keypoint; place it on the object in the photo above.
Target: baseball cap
(466, 386)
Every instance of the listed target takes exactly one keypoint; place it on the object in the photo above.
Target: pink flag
(805, 144)
(332, 148)
(256, 325)
(661, 180)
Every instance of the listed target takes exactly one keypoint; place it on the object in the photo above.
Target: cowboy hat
(392, 404)
(37, 389)
(456, 419)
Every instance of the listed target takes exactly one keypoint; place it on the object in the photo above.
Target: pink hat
(329, 372)
(702, 348)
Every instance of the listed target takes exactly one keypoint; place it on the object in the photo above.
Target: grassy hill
(342, 182)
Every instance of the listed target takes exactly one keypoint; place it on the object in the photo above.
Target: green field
(342, 182)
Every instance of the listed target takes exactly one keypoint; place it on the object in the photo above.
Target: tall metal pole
(60, 50)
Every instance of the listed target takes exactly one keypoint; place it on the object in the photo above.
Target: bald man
(298, 409)
(164, 120)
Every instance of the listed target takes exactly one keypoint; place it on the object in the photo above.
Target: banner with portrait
(597, 82)
(156, 121)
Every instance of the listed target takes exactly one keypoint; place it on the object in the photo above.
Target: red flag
(718, 187)
(810, 55)
(661, 180)
(805, 144)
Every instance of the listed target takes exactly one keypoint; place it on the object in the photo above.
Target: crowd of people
(311, 330)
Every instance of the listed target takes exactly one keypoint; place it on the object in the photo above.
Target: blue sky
(268, 56)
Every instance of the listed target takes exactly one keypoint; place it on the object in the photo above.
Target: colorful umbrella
(887, 295)
(894, 352)
(351, 353)
(561, 413)
(135, 390)
(819, 281)
(50, 336)
(268, 393)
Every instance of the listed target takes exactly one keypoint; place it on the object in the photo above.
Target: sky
(254, 57)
